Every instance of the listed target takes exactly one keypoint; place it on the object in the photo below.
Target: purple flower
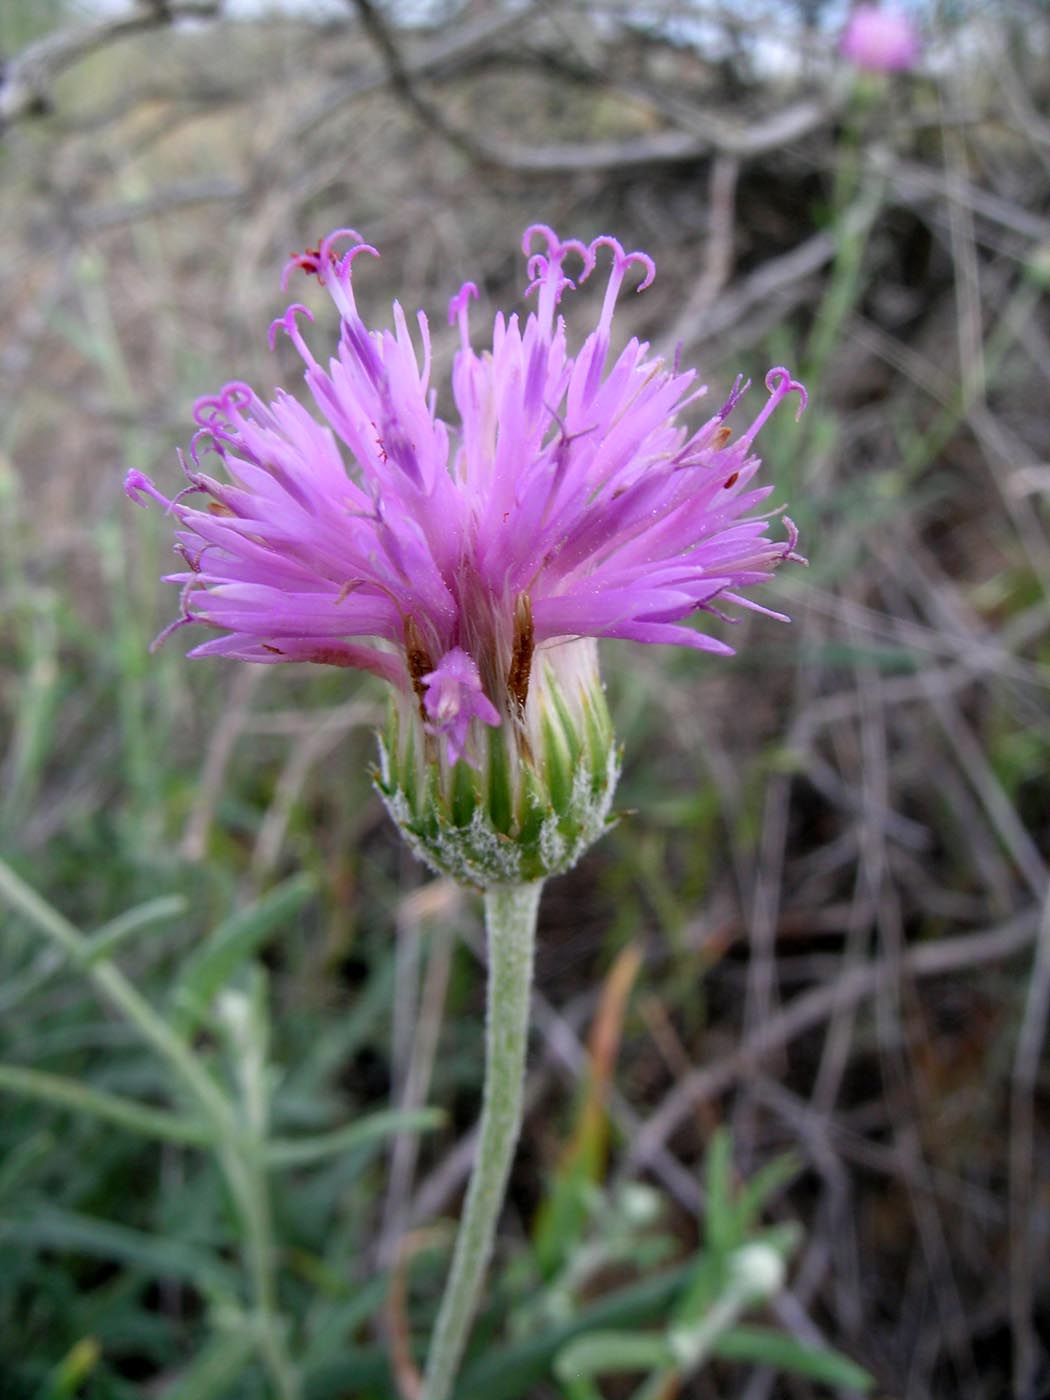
(453, 698)
(880, 41)
(566, 501)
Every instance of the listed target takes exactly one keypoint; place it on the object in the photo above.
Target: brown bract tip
(418, 661)
(521, 658)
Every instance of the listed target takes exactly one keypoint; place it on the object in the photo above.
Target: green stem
(245, 1172)
(510, 920)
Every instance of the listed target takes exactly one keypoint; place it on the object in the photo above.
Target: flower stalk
(510, 922)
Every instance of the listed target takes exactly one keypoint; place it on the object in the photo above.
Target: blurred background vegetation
(824, 922)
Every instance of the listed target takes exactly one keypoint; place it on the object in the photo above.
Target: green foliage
(220, 988)
(212, 965)
(217, 1253)
(739, 1267)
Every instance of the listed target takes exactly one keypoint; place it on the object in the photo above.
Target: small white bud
(758, 1271)
(234, 1010)
(639, 1204)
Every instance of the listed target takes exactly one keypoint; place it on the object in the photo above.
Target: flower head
(880, 40)
(470, 564)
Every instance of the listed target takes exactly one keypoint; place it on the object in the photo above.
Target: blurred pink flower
(567, 502)
(880, 40)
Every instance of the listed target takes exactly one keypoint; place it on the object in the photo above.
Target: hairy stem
(510, 920)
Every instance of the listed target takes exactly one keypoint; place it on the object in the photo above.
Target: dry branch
(26, 82)
(812, 1008)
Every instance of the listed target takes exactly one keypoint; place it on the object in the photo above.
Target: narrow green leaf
(517, 1370)
(761, 1346)
(297, 1152)
(562, 1216)
(599, 1353)
(106, 940)
(760, 1188)
(69, 1093)
(21, 1159)
(706, 1281)
(236, 939)
(719, 1223)
(102, 1239)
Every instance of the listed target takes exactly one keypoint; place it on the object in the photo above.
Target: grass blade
(236, 939)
